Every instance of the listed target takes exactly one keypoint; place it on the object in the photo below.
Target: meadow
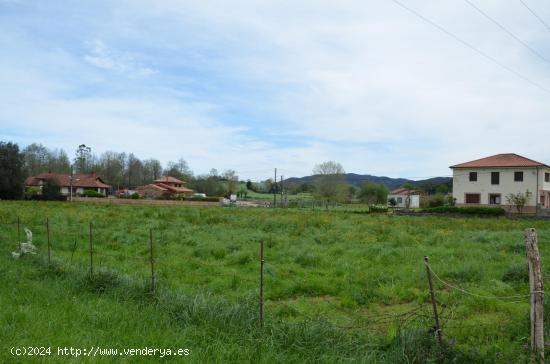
(339, 286)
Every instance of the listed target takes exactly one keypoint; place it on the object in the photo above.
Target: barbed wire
(503, 298)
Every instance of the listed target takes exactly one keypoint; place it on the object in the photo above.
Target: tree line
(126, 170)
(119, 169)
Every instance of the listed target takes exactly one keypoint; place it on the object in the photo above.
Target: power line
(534, 51)
(535, 15)
(466, 44)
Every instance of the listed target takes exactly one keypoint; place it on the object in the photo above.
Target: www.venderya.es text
(97, 351)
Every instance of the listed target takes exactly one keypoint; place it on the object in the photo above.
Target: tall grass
(328, 275)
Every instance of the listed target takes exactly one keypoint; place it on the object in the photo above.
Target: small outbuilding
(405, 198)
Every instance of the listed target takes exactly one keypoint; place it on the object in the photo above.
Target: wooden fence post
(152, 261)
(261, 283)
(536, 289)
(91, 253)
(434, 305)
(19, 232)
(49, 245)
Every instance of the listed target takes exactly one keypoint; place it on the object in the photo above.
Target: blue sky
(253, 85)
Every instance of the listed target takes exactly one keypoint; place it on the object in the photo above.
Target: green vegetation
(93, 193)
(339, 287)
(492, 211)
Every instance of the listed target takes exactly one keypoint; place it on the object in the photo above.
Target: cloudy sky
(386, 89)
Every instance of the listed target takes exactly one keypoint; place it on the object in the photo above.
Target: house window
(400, 200)
(473, 176)
(473, 198)
(495, 178)
(494, 198)
(547, 177)
(518, 176)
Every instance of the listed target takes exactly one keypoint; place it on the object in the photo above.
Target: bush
(378, 208)
(135, 196)
(490, 211)
(207, 199)
(436, 201)
(92, 193)
(32, 193)
(51, 189)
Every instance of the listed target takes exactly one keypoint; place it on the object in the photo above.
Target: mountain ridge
(356, 180)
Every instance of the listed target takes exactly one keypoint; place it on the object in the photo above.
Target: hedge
(493, 211)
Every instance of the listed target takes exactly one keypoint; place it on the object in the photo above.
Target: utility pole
(71, 185)
(282, 190)
(275, 190)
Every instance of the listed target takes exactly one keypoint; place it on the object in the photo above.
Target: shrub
(51, 189)
(378, 208)
(92, 193)
(491, 211)
(207, 199)
(436, 200)
(135, 196)
(32, 193)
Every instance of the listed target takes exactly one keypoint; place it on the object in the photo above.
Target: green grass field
(339, 286)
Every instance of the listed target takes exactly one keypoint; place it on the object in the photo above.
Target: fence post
(91, 253)
(49, 245)
(261, 283)
(434, 305)
(536, 289)
(152, 261)
(19, 232)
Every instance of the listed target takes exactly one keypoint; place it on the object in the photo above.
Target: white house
(487, 182)
(404, 196)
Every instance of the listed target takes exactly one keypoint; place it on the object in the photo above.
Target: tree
(329, 180)
(408, 186)
(83, 159)
(209, 184)
(373, 193)
(36, 158)
(111, 167)
(152, 169)
(231, 177)
(51, 189)
(393, 202)
(352, 192)
(180, 170)
(519, 200)
(39, 159)
(11, 171)
(242, 192)
(134, 171)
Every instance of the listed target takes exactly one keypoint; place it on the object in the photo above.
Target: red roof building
(494, 181)
(164, 187)
(80, 182)
(501, 160)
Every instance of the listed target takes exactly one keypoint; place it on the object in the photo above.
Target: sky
(396, 88)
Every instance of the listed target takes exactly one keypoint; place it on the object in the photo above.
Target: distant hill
(392, 183)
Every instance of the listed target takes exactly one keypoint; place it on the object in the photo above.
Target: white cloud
(110, 59)
(364, 83)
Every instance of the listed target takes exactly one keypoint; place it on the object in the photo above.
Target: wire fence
(88, 247)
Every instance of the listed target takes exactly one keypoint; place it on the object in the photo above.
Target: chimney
(93, 173)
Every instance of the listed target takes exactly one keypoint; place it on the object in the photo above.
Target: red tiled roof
(164, 188)
(64, 180)
(153, 186)
(168, 179)
(403, 191)
(501, 160)
(174, 189)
